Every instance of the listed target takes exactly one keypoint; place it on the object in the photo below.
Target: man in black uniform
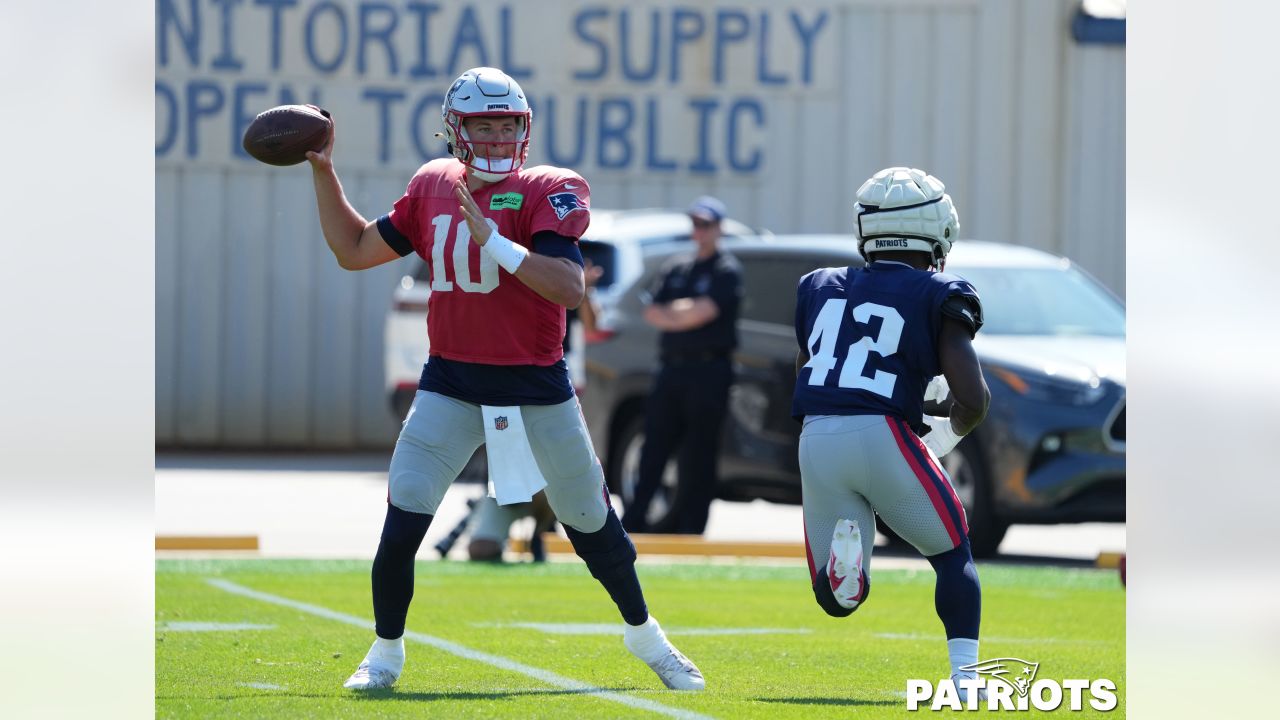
(695, 305)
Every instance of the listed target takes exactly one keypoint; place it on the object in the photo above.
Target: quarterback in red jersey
(501, 241)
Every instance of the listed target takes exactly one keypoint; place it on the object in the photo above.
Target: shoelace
(674, 662)
(371, 672)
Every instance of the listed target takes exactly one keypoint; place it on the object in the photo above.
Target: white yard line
(616, 629)
(467, 653)
(260, 686)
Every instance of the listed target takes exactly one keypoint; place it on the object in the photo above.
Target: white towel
(513, 472)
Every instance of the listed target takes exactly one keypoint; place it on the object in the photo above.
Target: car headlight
(1049, 388)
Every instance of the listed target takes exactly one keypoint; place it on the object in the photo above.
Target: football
(284, 134)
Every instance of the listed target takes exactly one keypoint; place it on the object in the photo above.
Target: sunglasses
(704, 223)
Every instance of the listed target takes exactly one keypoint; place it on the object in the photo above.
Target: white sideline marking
(211, 627)
(261, 686)
(997, 639)
(462, 651)
(616, 629)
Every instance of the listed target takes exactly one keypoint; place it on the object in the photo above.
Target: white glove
(937, 389)
(942, 438)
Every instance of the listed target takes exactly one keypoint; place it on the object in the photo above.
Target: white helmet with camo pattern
(902, 208)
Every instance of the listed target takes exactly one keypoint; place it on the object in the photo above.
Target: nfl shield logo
(500, 422)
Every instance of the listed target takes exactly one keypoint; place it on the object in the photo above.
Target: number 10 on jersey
(823, 340)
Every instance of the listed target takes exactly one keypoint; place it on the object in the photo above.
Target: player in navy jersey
(501, 241)
(872, 341)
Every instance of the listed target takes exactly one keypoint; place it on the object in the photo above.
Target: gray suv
(1051, 450)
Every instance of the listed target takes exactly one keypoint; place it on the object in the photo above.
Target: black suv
(1051, 450)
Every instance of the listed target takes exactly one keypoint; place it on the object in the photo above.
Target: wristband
(508, 254)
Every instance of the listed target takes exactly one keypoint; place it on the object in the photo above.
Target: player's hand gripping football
(323, 160)
(476, 222)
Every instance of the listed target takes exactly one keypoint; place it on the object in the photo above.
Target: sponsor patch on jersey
(506, 201)
(565, 203)
(498, 106)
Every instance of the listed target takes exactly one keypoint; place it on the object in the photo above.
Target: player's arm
(589, 311)
(682, 314)
(355, 242)
(969, 392)
(692, 313)
(558, 279)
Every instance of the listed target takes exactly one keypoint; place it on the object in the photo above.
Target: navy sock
(611, 557)
(957, 595)
(392, 575)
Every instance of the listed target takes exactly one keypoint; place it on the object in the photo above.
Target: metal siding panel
(1040, 43)
(864, 31)
(818, 203)
(646, 193)
(244, 359)
(739, 200)
(909, 62)
(993, 180)
(1103, 165)
(952, 158)
(1094, 196)
(375, 425)
(201, 241)
(980, 119)
(334, 348)
(294, 247)
(1070, 193)
(167, 302)
(781, 182)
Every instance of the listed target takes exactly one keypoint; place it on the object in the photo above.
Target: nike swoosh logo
(567, 186)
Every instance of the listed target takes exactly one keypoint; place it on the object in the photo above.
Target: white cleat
(650, 644)
(380, 668)
(963, 692)
(371, 677)
(844, 567)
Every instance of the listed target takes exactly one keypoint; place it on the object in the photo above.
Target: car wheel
(624, 475)
(968, 471)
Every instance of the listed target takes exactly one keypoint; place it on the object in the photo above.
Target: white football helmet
(486, 92)
(902, 208)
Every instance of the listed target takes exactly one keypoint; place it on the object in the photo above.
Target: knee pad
(827, 599)
(605, 551)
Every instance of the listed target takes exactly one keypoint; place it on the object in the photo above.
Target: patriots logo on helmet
(448, 97)
(1023, 672)
(565, 203)
(500, 422)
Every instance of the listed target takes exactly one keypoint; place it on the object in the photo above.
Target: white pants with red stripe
(857, 466)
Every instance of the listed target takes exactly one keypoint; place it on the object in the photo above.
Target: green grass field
(765, 647)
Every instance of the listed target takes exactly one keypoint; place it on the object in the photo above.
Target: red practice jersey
(478, 312)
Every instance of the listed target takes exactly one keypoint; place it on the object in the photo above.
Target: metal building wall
(262, 341)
